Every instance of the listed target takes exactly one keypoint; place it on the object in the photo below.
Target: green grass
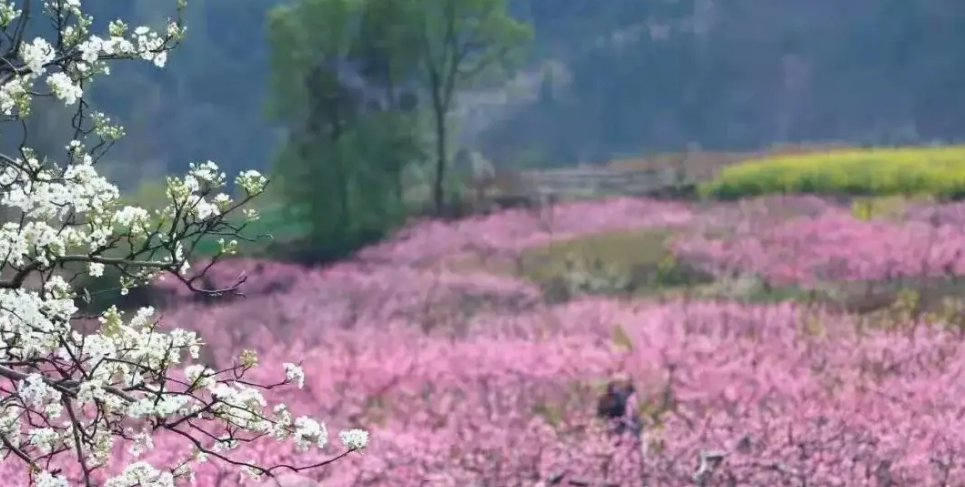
(634, 263)
(638, 264)
(616, 250)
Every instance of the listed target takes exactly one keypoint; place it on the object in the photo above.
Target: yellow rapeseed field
(906, 171)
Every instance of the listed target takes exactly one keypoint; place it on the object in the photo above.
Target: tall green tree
(338, 66)
(460, 43)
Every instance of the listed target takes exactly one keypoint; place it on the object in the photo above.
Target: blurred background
(601, 80)
(593, 82)
(337, 102)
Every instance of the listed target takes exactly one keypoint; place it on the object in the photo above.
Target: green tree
(338, 72)
(459, 44)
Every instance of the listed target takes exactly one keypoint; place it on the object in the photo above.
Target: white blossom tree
(69, 398)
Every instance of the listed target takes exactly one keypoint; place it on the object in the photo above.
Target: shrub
(789, 394)
(835, 248)
(937, 171)
(511, 402)
(514, 230)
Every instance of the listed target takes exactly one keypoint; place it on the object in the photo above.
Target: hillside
(494, 336)
(738, 75)
(628, 77)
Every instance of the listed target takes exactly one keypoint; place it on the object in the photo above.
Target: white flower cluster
(85, 386)
(79, 55)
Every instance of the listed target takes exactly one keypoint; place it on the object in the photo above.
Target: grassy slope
(618, 250)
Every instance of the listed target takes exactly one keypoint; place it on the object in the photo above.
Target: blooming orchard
(497, 391)
(70, 400)
(501, 389)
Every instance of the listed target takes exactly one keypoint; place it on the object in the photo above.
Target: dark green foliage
(353, 128)
(345, 78)
(347, 190)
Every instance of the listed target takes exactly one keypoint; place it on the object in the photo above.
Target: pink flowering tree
(70, 401)
(727, 394)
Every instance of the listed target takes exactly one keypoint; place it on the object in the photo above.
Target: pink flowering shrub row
(789, 397)
(349, 296)
(403, 259)
(498, 237)
(517, 229)
(947, 214)
(834, 247)
(787, 239)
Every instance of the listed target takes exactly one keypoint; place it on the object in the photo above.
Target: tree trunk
(341, 174)
(438, 187)
(399, 163)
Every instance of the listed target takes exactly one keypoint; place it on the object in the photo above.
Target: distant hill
(739, 75)
(606, 79)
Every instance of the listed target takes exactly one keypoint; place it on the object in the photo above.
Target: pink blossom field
(834, 246)
(471, 379)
